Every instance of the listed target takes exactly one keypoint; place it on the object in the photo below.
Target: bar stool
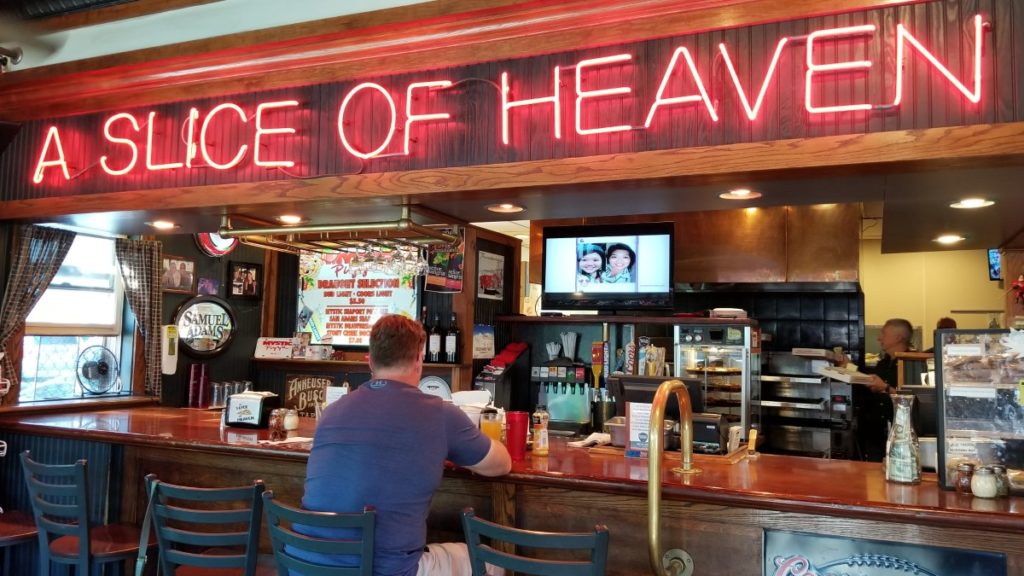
(596, 543)
(15, 528)
(207, 531)
(360, 547)
(60, 505)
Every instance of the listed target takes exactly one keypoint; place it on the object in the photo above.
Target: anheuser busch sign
(129, 146)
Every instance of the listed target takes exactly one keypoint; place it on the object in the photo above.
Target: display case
(980, 379)
(725, 360)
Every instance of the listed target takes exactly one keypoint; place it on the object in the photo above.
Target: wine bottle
(434, 340)
(426, 330)
(451, 342)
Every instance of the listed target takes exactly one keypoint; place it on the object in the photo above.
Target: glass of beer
(490, 424)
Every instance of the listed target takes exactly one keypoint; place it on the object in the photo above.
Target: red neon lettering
(260, 131)
(813, 67)
(149, 148)
(341, 120)
(581, 93)
(507, 105)
(116, 140)
(752, 111)
(191, 150)
(410, 117)
(203, 148)
(42, 164)
(659, 100)
(972, 95)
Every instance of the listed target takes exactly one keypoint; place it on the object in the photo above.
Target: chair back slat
(595, 544)
(291, 546)
(60, 506)
(213, 528)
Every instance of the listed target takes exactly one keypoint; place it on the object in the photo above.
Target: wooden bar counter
(718, 516)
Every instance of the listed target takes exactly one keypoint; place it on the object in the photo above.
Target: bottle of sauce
(541, 446)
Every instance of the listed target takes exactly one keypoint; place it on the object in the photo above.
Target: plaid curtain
(139, 261)
(37, 255)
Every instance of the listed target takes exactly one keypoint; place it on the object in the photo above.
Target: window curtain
(139, 261)
(37, 255)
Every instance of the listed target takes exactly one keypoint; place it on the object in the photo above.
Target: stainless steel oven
(803, 413)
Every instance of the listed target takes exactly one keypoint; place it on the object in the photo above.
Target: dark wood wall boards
(473, 136)
(782, 244)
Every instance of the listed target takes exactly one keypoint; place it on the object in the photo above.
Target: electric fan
(97, 371)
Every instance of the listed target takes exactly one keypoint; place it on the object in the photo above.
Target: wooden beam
(394, 41)
(934, 147)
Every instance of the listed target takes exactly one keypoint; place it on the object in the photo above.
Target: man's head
(396, 349)
(895, 335)
(946, 323)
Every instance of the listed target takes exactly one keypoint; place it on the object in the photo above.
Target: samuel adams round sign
(206, 325)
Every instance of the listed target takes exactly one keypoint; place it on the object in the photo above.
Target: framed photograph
(209, 286)
(246, 280)
(179, 275)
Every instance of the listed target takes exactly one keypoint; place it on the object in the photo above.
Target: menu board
(339, 302)
(981, 401)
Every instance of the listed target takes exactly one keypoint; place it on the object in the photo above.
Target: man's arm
(497, 462)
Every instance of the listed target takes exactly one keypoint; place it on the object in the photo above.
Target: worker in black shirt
(875, 407)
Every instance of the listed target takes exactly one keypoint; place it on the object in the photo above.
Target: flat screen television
(995, 264)
(607, 267)
(338, 302)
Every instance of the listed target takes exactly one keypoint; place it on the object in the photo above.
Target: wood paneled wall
(473, 136)
(817, 243)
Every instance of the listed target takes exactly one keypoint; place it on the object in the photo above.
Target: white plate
(436, 386)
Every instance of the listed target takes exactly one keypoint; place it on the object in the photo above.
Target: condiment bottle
(1002, 481)
(291, 419)
(983, 483)
(540, 431)
(964, 473)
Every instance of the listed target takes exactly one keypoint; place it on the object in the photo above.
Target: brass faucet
(654, 456)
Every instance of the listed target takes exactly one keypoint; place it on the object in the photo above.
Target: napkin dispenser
(250, 409)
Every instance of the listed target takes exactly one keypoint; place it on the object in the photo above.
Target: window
(82, 307)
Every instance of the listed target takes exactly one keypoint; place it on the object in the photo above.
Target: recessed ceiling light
(290, 219)
(505, 208)
(162, 224)
(740, 194)
(948, 239)
(970, 203)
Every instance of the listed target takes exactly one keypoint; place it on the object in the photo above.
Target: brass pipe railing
(655, 453)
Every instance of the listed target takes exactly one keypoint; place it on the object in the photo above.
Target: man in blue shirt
(385, 444)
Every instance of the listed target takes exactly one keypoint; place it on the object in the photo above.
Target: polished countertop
(785, 483)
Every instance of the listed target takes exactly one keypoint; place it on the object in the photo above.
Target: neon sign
(160, 142)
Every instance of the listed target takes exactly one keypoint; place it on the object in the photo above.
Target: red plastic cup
(515, 434)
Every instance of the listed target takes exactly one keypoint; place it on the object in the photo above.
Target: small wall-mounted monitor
(995, 264)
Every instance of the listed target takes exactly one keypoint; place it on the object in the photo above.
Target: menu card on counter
(638, 426)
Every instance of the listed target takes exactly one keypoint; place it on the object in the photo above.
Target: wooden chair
(15, 528)
(60, 505)
(291, 546)
(596, 543)
(206, 530)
